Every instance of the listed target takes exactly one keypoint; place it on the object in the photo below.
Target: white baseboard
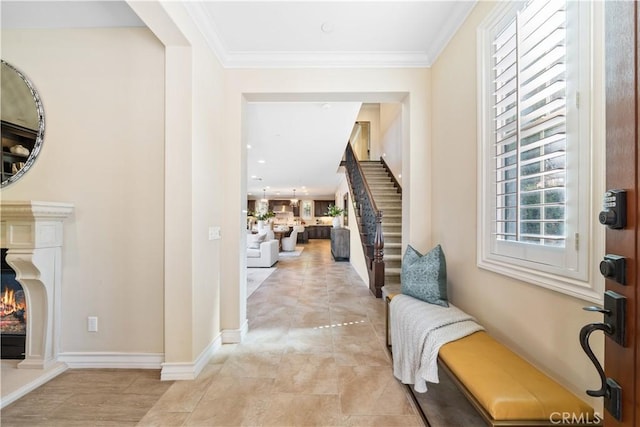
(235, 336)
(190, 370)
(112, 360)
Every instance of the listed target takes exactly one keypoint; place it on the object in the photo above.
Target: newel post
(377, 278)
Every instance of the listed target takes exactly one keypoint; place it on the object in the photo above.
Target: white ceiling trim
(326, 59)
(203, 21)
(459, 14)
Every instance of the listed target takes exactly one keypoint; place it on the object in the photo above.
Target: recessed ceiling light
(303, 187)
(250, 194)
(262, 161)
(253, 177)
(249, 146)
(277, 193)
(326, 106)
(327, 27)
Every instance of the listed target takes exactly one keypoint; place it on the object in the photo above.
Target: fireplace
(31, 242)
(13, 313)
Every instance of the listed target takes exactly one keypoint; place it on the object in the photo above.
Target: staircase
(388, 198)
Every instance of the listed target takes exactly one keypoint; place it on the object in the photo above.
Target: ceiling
(297, 145)
(328, 33)
(301, 142)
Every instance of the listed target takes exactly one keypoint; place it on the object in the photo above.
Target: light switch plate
(92, 324)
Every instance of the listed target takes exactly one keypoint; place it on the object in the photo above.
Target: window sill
(576, 288)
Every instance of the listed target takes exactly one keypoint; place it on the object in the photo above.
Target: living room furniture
(340, 239)
(303, 235)
(289, 243)
(266, 254)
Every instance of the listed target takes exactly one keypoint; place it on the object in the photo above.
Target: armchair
(289, 243)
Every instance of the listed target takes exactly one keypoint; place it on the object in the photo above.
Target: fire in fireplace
(13, 314)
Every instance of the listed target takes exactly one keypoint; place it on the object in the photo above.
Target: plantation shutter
(529, 91)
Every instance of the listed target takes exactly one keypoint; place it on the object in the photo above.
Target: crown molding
(327, 60)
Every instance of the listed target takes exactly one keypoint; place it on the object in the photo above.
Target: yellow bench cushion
(507, 386)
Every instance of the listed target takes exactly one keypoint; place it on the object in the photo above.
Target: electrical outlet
(92, 324)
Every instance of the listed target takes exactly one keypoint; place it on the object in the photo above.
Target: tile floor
(314, 356)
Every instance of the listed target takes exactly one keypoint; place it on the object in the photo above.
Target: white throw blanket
(418, 330)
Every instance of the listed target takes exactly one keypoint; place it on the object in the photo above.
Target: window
(535, 143)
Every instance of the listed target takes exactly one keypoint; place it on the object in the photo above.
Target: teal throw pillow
(425, 276)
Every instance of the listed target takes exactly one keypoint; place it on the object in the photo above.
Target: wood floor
(314, 356)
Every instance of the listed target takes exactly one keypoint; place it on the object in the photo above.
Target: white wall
(391, 137)
(103, 151)
(356, 254)
(539, 324)
(371, 113)
(194, 143)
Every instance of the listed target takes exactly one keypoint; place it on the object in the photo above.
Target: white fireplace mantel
(32, 233)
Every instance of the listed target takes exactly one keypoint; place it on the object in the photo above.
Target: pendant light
(294, 202)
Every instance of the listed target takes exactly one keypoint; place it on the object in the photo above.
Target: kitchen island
(319, 231)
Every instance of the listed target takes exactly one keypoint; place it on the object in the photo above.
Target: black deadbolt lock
(614, 267)
(614, 214)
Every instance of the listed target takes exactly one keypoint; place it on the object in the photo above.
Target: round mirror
(22, 119)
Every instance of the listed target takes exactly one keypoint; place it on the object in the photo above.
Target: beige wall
(539, 324)
(371, 113)
(391, 137)
(103, 151)
(356, 254)
(193, 190)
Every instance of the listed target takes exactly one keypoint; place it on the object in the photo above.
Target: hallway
(314, 355)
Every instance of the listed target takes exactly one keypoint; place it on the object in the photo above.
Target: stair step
(385, 193)
(391, 223)
(383, 185)
(388, 199)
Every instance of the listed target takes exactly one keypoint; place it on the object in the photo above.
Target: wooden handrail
(366, 184)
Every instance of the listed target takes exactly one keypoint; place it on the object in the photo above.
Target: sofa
(262, 250)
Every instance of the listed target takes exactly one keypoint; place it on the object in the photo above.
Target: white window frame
(569, 270)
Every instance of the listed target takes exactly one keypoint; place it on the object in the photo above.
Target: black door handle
(585, 333)
(614, 327)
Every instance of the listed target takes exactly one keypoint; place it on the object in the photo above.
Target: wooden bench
(505, 389)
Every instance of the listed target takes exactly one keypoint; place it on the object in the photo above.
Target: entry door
(621, 54)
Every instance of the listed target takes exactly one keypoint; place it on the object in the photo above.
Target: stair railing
(370, 221)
